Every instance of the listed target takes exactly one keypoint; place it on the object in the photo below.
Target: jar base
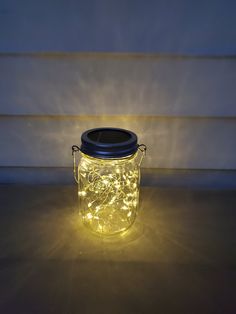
(102, 232)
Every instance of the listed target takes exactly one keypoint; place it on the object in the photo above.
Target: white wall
(159, 26)
(54, 83)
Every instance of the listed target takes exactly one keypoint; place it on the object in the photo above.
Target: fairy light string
(109, 192)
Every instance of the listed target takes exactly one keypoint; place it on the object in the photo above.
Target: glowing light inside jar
(109, 192)
(108, 178)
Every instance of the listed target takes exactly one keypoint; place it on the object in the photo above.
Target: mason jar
(108, 177)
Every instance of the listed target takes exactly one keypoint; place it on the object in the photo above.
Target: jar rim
(99, 159)
(109, 143)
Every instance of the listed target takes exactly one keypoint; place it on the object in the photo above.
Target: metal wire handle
(143, 149)
(75, 149)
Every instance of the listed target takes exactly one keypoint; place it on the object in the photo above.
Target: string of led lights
(109, 192)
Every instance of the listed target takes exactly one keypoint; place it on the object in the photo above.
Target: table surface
(179, 257)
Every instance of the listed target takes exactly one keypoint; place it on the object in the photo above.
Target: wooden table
(179, 257)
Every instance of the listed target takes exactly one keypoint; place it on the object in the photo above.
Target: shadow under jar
(108, 178)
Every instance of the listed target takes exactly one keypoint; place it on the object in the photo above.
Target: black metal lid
(108, 143)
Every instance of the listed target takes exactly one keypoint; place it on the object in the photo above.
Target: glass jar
(108, 178)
